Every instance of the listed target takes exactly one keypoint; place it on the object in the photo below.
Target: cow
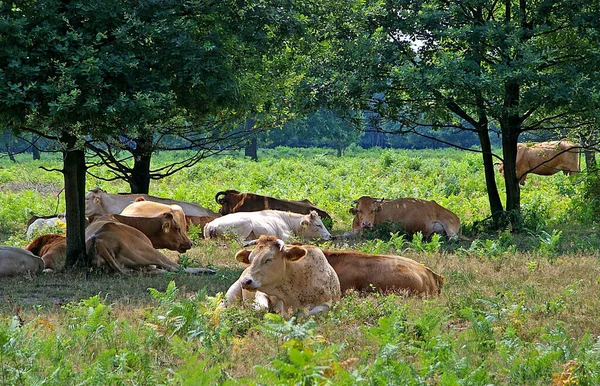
(200, 222)
(98, 203)
(414, 214)
(232, 201)
(51, 248)
(383, 273)
(251, 225)
(15, 261)
(40, 223)
(124, 248)
(293, 276)
(545, 159)
(34, 217)
(172, 214)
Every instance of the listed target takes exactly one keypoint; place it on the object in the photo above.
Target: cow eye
(267, 261)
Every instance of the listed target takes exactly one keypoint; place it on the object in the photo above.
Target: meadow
(516, 309)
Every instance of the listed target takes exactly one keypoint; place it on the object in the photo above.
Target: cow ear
(294, 253)
(96, 200)
(138, 199)
(313, 214)
(166, 226)
(353, 211)
(242, 256)
(378, 208)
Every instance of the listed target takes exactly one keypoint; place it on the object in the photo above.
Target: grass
(516, 308)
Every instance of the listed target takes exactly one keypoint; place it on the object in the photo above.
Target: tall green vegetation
(522, 66)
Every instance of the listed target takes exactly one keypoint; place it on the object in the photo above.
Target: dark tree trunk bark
(9, 152)
(251, 150)
(590, 159)
(139, 181)
(510, 124)
(34, 150)
(74, 177)
(490, 180)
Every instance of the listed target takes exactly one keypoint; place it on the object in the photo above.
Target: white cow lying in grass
(251, 225)
(41, 223)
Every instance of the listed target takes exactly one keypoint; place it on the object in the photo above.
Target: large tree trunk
(139, 180)
(510, 124)
(490, 179)
(34, 150)
(74, 177)
(251, 150)
(590, 159)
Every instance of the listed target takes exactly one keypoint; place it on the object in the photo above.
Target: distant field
(516, 309)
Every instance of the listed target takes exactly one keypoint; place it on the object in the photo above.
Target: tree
(524, 66)
(78, 71)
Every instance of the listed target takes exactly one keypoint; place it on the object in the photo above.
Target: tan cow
(15, 261)
(545, 159)
(123, 248)
(174, 221)
(296, 277)
(51, 248)
(414, 214)
(383, 273)
(98, 203)
(250, 225)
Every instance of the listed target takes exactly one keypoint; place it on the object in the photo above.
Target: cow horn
(249, 243)
(218, 199)
(354, 203)
(379, 201)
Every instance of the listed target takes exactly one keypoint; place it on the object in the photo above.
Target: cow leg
(234, 293)
(107, 256)
(261, 301)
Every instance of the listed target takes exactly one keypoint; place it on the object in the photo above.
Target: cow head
(93, 203)
(174, 233)
(313, 228)
(365, 211)
(500, 167)
(267, 262)
(228, 200)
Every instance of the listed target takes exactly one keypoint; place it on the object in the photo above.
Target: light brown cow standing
(383, 273)
(15, 261)
(297, 277)
(414, 214)
(545, 159)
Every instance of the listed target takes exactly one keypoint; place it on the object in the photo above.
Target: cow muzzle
(250, 284)
(366, 224)
(184, 247)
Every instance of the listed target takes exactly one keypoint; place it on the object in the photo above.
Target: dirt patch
(45, 188)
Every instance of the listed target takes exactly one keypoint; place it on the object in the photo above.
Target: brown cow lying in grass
(51, 248)
(122, 247)
(383, 273)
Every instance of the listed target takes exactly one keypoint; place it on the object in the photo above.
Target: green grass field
(517, 309)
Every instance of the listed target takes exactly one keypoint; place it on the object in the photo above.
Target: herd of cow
(125, 232)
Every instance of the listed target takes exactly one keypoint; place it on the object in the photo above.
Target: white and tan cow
(98, 203)
(545, 159)
(251, 225)
(414, 214)
(293, 276)
(383, 273)
(16, 261)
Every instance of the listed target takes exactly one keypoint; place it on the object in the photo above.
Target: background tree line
(119, 80)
